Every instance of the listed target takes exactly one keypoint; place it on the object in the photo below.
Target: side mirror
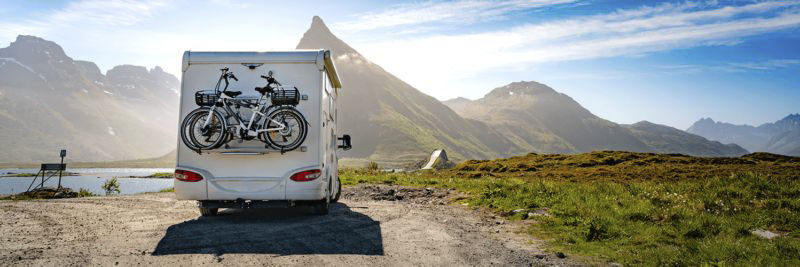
(346, 145)
(269, 74)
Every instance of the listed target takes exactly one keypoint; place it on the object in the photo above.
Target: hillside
(782, 136)
(537, 117)
(391, 121)
(49, 101)
(609, 205)
(666, 139)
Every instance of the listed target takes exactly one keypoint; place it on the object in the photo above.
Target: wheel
(199, 137)
(208, 211)
(290, 137)
(338, 191)
(322, 207)
(185, 129)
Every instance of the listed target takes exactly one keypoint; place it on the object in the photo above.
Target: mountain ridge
(781, 136)
(51, 101)
(537, 110)
(398, 119)
(391, 121)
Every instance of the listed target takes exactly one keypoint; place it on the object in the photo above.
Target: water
(91, 179)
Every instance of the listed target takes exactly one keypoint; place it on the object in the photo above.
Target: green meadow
(636, 208)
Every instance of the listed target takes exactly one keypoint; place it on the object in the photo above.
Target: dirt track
(155, 229)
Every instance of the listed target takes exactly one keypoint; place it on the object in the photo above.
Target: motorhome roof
(322, 58)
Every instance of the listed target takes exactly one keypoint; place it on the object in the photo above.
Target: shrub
(372, 166)
(83, 192)
(111, 186)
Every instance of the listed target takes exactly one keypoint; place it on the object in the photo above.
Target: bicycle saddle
(263, 90)
(232, 93)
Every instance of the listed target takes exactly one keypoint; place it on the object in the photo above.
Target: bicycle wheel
(293, 132)
(185, 129)
(210, 136)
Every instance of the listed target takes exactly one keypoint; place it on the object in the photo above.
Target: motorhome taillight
(305, 176)
(187, 176)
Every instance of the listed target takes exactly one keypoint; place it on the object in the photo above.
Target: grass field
(637, 208)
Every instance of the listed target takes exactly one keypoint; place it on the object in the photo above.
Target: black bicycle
(279, 125)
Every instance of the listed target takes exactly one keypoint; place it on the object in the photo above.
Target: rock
(561, 255)
(539, 256)
(764, 233)
(539, 212)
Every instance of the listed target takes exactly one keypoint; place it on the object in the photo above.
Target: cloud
(88, 13)
(447, 58)
(466, 11)
(106, 12)
(765, 65)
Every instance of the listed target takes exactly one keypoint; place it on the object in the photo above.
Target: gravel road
(372, 225)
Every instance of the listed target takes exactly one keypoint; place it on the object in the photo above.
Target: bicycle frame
(260, 109)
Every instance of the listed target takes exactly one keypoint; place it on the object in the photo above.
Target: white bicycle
(279, 125)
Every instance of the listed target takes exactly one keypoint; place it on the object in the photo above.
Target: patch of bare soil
(371, 226)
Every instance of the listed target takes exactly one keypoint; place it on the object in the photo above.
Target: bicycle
(207, 127)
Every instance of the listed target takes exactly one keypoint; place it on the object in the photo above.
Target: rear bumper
(287, 190)
(252, 204)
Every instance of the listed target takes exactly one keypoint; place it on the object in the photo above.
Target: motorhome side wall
(252, 176)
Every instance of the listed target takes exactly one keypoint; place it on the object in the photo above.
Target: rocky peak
(127, 71)
(788, 123)
(516, 89)
(792, 119)
(31, 50)
(458, 100)
(704, 122)
(90, 70)
(318, 36)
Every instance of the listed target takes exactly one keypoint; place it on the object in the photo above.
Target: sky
(668, 62)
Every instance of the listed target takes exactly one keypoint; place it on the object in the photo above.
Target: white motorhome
(246, 173)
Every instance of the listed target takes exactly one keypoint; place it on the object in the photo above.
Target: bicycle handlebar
(232, 76)
(270, 80)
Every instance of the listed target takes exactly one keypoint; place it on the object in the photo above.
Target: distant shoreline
(144, 163)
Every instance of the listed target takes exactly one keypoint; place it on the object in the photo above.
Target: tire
(185, 128)
(195, 138)
(338, 191)
(298, 129)
(322, 206)
(206, 212)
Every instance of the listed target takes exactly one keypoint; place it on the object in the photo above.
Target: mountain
(49, 101)
(391, 121)
(538, 117)
(782, 136)
(666, 139)
(786, 143)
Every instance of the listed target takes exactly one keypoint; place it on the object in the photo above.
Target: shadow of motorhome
(275, 231)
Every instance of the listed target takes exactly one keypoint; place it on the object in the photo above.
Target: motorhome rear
(247, 173)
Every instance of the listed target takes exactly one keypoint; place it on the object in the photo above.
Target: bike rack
(249, 150)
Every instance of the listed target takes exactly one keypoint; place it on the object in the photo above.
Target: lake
(91, 179)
